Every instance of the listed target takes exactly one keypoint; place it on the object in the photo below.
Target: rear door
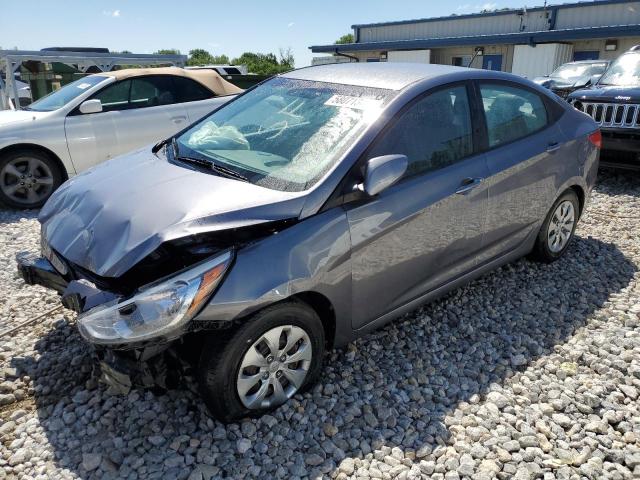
(426, 229)
(526, 152)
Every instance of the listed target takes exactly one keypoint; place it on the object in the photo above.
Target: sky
(144, 26)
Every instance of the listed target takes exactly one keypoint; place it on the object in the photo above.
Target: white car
(96, 118)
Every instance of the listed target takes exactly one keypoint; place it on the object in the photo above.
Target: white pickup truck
(96, 118)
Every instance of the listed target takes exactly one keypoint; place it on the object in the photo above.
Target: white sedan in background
(96, 118)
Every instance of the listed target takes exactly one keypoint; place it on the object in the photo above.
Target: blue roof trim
(612, 31)
(510, 11)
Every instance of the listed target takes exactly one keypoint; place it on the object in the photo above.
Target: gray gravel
(530, 372)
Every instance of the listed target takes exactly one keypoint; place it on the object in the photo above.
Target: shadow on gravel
(395, 387)
(613, 181)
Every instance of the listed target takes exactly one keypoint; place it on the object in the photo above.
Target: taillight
(596, 139)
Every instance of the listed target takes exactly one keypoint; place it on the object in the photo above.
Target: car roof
(387, 75)
(209, 78)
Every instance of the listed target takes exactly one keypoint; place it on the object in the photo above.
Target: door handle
(179, 119)
(469, 184)
(553, 146)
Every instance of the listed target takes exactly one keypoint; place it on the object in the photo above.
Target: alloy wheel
(26, 180)
(561, 226)
(274, 367)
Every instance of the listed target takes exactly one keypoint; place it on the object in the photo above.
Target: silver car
(96, 118)
(318, 206)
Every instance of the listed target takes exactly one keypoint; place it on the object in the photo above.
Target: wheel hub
(561, 226)
(274, 367)
(26, 180)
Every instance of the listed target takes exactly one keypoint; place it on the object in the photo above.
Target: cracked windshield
(285, 134)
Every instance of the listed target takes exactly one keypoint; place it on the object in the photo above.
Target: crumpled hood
(10, 117)
(112, 216)
(609, 94)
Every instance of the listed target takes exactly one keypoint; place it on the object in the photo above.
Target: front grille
(611, 114)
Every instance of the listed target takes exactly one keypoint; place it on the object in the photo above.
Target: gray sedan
(316, 207)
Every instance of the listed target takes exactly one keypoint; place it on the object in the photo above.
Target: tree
(348, 38)
(199, 56)
(286, 58)
(266, 63)
(168, 51)
(220, 60)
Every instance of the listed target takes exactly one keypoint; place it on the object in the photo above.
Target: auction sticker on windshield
(356, 103)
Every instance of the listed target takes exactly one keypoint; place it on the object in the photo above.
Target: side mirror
(91, 106)
(382, 172)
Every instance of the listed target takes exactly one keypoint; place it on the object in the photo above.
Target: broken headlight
(158, 309)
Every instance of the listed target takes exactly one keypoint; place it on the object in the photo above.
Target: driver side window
(433, 133)
(115, 96)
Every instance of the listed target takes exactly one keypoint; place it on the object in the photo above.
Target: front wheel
(261, 364)
(558, 228)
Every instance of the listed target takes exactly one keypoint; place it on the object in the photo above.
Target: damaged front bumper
(151, 367)
(36, 270)
(148, 359)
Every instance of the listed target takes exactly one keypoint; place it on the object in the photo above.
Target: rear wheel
(558, 228)
(27, 178)
(261, 364)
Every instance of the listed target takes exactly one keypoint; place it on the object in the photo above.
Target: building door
(586, 55)
(492, 62)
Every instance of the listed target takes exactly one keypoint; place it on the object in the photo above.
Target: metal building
(526, 41)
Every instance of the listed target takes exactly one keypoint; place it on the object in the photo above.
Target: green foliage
(266, 63)
(199, 56)
(348, 38)
(220, 60)
(258, 63)
(167, 51)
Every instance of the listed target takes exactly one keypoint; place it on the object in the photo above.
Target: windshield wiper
(227, 172)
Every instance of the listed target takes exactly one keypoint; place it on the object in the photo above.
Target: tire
(28, 177)
(549, 247)
(226, 365)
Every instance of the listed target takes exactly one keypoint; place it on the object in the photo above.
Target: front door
(426, 229)
(526, 154)
(492, 62)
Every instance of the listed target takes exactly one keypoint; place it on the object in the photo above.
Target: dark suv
(614, 103)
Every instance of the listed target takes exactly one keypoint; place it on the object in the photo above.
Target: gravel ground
(529, 372)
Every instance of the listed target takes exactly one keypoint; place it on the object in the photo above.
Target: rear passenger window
(190, 91)
(511, 113)
(433, 133)
(152, 91)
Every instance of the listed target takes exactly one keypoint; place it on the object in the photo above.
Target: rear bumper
(620, 148)
(36, 270)
(621, 140)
